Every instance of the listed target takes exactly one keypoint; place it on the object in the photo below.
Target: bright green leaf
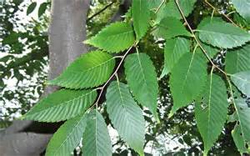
(142, 80)
(170, 27)
(223, 35)
(67, 137)
(174, 50)
(126, 115)
(211, 113)
(96, 139)
(89, 70)
(141, 17)
(242, 7)
(238, 60)
(114, 38)
(187, 79)
(62, 105)
(242, 81)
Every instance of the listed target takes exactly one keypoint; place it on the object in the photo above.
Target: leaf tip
(171, 113)
(86, 41)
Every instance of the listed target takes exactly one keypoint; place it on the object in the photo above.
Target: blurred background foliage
(24, 66)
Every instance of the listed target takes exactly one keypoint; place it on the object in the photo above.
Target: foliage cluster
(217, 92)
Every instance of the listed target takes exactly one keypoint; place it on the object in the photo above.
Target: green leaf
(114, 38)
(141, 17)
(209, 20)
(62, 105)
(238, 60)
(243, 113)
(42, 9)
(89, 70)
(211, 51)
(242, 81)
(154, 4)
(170, 27)
(126, 115)
(142, 80)
(239, 140)
(174, 50)
(242, 7)
(31, 8)
(223, 35)
(211, 113)
(67, 137)
(187, 80)
(96, 139)
(172, 10)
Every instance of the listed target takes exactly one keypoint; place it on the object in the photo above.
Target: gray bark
(66, 34)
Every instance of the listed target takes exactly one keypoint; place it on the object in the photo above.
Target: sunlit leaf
(62, 105)
(114, 38)
(89, 70)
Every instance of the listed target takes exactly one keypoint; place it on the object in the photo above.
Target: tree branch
(100, 11)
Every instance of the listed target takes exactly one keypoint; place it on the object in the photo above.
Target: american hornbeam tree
(206, 68)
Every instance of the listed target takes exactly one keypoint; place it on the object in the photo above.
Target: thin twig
(99, 12)
(110, 78)
(217, 10)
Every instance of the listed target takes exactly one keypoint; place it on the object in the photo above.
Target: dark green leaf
(223, 35)
(126, 115)
(211, 113)
(243, 113)
(42, 9)
(170, 27)
(31, 8)
(142, 80)
(174, 50)
(242, 7)
(187, 79)
(67, 137)
(242, 81)
(239, 140)
(238, 60)
(96, 139)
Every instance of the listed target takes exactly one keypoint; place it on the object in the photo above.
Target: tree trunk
(67, 32)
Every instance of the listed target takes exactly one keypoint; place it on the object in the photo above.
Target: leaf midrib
(144, 77)
(186, 76)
